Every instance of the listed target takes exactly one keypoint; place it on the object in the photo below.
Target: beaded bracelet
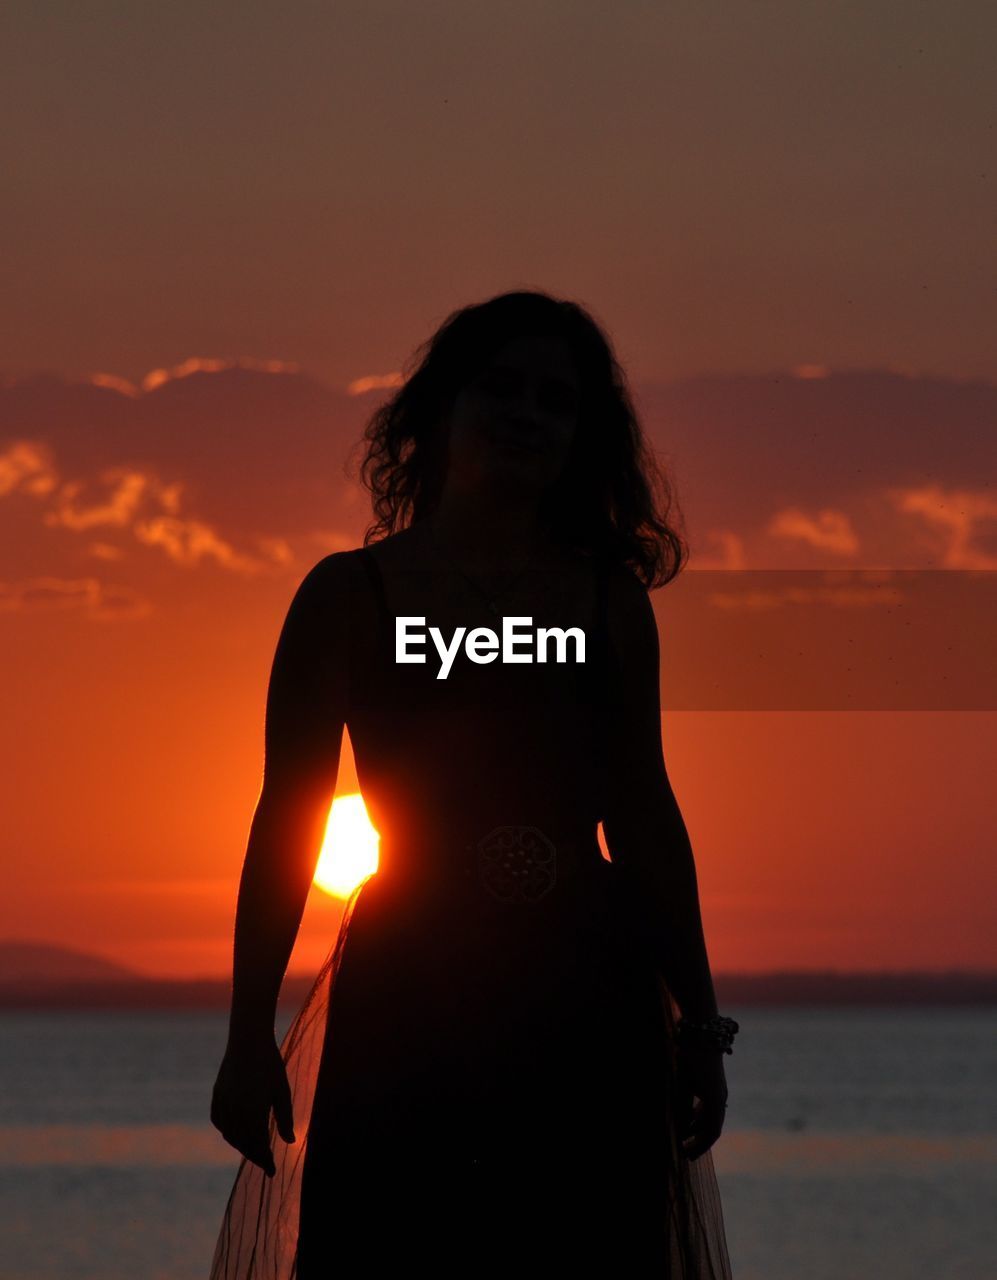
(717, 1031)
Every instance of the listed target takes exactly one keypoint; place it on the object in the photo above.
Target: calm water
(859, 1143)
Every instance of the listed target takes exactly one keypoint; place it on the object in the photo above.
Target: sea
(859, 1143)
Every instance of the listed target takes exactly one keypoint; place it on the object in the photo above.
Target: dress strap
(384, 618)
(367, 667)
(377, 586)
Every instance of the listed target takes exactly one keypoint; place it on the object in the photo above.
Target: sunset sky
(226, 231)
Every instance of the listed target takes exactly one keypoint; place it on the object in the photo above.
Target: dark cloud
(845, 455)
(245, 469)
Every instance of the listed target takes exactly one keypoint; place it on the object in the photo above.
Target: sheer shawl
(259, 1232)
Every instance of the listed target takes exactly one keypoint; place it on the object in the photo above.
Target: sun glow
(349, 847)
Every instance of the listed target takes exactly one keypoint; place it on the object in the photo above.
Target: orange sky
(231, 235)
(829, 696)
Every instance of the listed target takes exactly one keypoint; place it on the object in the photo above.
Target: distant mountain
(882, 988)
(47, 962)
(44, 975)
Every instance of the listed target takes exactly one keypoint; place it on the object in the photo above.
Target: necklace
(490, 599)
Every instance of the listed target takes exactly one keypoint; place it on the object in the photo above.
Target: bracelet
(717, 1031)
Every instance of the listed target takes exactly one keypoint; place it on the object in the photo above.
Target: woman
(507, 1059)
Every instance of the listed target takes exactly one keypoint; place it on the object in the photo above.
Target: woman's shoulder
(332, 586)
(332, 572)
(629, 612)
(396, 552)
(347, 565)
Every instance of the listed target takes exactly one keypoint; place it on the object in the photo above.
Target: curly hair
(611, 499)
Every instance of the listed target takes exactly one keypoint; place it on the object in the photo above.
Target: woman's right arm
(305, 714)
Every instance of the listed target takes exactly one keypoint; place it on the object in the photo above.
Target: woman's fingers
(254, 1147)
(249, 1083)
(702, 1098)
(247, 1136)
(706, 1127)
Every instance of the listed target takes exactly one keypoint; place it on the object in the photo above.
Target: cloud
(201, 364)
(829, 531)
(221, 466)
(188, 542)
(26, 466)
(134, 501)
(128, 488)
(97, 600)
(105, 551)
(224, 467)
(113, 383)
(374, 382)
(730, 555)
(276, 550)
(962, 517)
(742, 446)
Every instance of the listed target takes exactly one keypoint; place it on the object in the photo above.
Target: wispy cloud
(276, 550)
(113, 383)
(105, 551)
(27, 466)
(961, 517)
(101, 601)
(135, 501)
(374, 382)
(207, 364)
(729, 555)
(128, 488)
(194, 364)
(829, 530)
(189, 541)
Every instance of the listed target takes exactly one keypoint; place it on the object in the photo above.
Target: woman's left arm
(644, 828)
(647, 838)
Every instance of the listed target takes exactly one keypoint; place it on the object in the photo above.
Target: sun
(349, 847)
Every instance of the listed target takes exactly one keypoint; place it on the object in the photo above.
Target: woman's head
(524, 391)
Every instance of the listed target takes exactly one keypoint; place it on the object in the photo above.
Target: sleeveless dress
(483, 1071)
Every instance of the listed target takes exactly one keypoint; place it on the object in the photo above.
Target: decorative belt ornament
(516, 863)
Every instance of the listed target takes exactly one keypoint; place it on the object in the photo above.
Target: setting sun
(349, 847)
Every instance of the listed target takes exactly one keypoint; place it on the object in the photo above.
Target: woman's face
(515, 421)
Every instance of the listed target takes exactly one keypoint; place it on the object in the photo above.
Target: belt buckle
(516, 863)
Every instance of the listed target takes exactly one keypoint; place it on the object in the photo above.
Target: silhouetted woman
(496, 1068)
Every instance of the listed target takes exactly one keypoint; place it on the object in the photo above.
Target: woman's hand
(702, 1096)
(251, 1079)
